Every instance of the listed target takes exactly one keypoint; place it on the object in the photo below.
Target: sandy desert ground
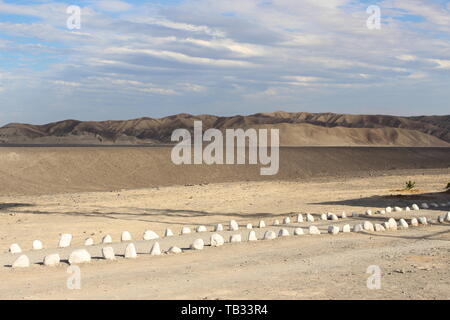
(414, 262)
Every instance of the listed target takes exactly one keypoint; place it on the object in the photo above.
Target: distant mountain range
(296, 129)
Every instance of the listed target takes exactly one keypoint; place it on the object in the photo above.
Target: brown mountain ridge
(296, 129)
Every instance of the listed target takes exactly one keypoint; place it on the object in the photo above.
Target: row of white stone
(66, 239)
(82, 255)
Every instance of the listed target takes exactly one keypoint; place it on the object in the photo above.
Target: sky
(155, 58)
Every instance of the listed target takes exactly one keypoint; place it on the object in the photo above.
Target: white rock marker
(216, 240)
(261, 224)
(424, 206)
(252, 236)
(378, 227)
(108, 253)
(15, 248)
(314, 230)
(343, 215)
(283, 233)
(167, 233)
(386, 225)
(358, 228)
(383, 211)
(392, 224)
(107, 239)
(440, 219)
(286, 220)
(79, 256)
(130, 251)
(403, 224)
(388, 209)
(276, 222)
(156, 249)
(126, 236)
(407, 209)
(218, 227)
(235, 238)
(37, 245)
(414, 222)
(323, 216)
(415, 207)
(334, 217)
(21, 262)
(423, 220)
(65, 240)
(185, 230)
(309, 218)
(434, 205)
(89, 242)
(299, 218)
(198, 244)
(298, 232)
(398, 209)
(52, 260)
(234, 225)
(333, 230)
(249, 226)
(175, 250)
(269, 235)
(346, 228)
(201, 229)
(368, 226)
(368, 212)
(447, 217)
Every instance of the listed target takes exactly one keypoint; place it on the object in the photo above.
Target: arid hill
(296, 129)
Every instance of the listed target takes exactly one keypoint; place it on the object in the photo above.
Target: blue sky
(157, 58)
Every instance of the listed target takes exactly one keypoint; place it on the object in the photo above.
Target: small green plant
(409, 185)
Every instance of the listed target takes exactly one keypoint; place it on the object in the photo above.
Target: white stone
(175, 250)
(440, 219)
(126, 236)
(323, 216)
(415, 207)
(201, 229)
(276, 223)
(386, 225)
(52, 260)
(392, 224)
(108, 253)
(355, 214)
(368, 212)
(403, 224)
(156, 249)
(130, 251)
(107, 239)
(167, 233)
(299, 218)
(309, 218)
(249, 226)
(218, 227)
(398, 209)
(388, 209)
(447, 217)
(314, 230)
(443, 204)
(358, 228)
(79, 256)
(407, 209)
(21, 262)
(234, 225)
(15, 248)
(298, 232)
(378, 227)
(343, 215)
(235, 238)
(286, 220)
(283, 233)
(198, 244)
(423, 220)
(414, 222)
(185, 230)
(424, 206)
(368, 226)
(269, 235)
(262, 224)
(346, 228)
(37, 245)
(89, 242)
(65, 240)
(252, 236)
(435, 205)
(383, 211)
(334, 217)
(216, 240)
(333, 230)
